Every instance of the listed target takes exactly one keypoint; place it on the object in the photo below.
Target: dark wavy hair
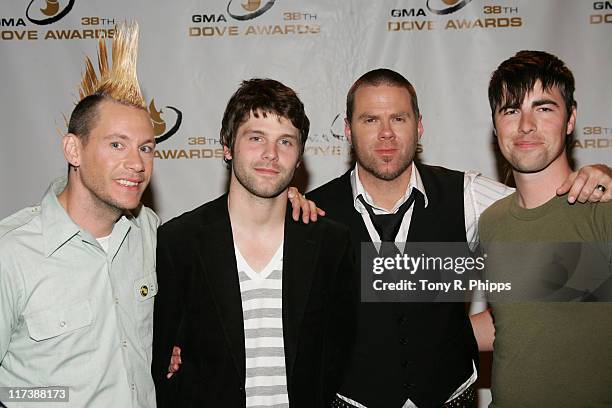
(516, 77)
(262, 96)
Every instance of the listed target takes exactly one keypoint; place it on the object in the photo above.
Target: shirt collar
(57, 226)
(358, 189)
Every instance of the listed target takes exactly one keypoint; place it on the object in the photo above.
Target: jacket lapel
(221, 273)
(300, 253)
(351, 218)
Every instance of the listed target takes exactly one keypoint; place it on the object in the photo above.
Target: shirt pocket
(144, 291)
(63, 342)
(58, 320)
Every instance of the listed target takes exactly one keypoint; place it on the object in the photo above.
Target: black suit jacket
(199, 308)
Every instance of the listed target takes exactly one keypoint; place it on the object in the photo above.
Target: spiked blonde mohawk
(118, 82)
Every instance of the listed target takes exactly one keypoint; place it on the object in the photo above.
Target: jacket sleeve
(342, 323)
(167, 317)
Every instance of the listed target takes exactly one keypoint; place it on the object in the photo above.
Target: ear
(347, 131)
(227, 153)
(571, 121)
(71, 147)
(420, 127)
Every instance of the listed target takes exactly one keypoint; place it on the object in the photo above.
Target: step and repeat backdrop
(193, 55)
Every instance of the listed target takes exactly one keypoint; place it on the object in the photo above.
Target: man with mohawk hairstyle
(77, 273)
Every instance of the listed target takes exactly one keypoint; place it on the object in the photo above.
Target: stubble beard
(101, 199)
(368, 162)
(525, 164)
(250, 183)
(520, 166)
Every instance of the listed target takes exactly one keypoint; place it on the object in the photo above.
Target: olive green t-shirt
(549, 354)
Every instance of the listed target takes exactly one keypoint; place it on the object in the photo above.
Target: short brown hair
(265, 96)
(84, 116)
(378, 77)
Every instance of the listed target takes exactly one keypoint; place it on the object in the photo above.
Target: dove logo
(253, 9)
(446, 6)
(159, 124)
(43, 12)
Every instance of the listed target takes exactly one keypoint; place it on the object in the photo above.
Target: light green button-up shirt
(74, 315)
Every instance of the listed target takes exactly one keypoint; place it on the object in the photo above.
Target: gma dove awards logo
(198, 147)
(215, 24)
(252, 7)
(437, 14)
(159, 124)
(443, 7)
(46, 12)
(49, 14)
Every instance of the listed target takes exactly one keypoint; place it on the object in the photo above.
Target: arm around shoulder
(484, 330)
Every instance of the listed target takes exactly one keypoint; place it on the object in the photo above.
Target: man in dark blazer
(262, 308)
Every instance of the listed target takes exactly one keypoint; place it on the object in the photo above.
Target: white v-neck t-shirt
(262, 313)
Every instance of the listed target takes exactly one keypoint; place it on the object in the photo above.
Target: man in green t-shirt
(546, 353)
